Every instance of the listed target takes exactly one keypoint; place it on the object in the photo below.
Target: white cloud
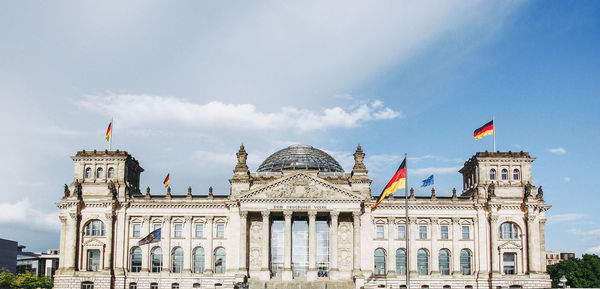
(23, 213)
(141, 110)
(435, 171)
(594, 250)
(567, 179)
(558, 151)
(564, 217)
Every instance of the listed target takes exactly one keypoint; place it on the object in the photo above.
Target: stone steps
(277, 284)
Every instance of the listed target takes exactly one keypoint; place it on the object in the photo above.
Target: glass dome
(300, 157)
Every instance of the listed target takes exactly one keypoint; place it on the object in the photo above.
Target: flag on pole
(109, 131)
(154, 236)
(428, 181)
(398, 181)
(166, 181)
(486, 129)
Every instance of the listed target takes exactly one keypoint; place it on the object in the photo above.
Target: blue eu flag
(428, 181)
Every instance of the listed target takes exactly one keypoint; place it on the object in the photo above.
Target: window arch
(88, 173)
(177, 257)
(99, 173)
(156, 259)
(492, 174)
(401, 262)
(508, 230)
(504, 174)
(516, 174)
(198, 260)
(220, 255)
(135, 259)
(111, 173)
(94, 228)
(423, 262)
(465, 262)
(444, 262)
(379, 257)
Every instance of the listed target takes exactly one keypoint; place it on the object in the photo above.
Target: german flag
(486, 129)
(108, 131)
(166, 181)
(398, 181)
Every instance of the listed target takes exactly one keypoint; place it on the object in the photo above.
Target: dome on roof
(300, 157)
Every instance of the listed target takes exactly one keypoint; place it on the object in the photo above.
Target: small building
(8, 255)
(40, 264)
(554, 258)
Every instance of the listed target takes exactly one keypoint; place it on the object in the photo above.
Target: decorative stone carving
(67, 192)
(189, 194)
(540, 194)
(210, 193)
(434, 220)
(168, 192)
(108, 216)
(188, 219)
(345, 258)
(242, 156)
(146, 219)
(344, 234)
(433, 194)
(493, 219)
(454, 197)
(243, 214)
(527, 189)
(63, 219)
(73, 216)
(256, 244)
(530, 219)
(255, 254)
(412, 194)
(455, 220)
(490, 190)
(412, 220)
(359, 165)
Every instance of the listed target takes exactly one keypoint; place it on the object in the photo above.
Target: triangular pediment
(93, 243)
(510, 245)
(300, 186)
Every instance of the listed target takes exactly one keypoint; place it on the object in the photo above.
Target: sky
(187, 82)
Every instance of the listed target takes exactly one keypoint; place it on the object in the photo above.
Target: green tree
(25, 281)
(580, 273)
(45, 282)
(6, 278)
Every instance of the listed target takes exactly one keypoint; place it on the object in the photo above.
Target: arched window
(87, 285)
(111, 172)
(401, 262)
(504, 174)
(132, 285)
(422, 262)
(492, 174)
(177, 257)
(220, 260)
(516, 174)
(196, 285)
(93, 260)
(447, 287)
(175, 286)
(465, 262)
(94, 228)
(198, 260)
(508, 230)
(153, 285)
(99, 173)
(88, 173)
(444, 262)
(136, 259)
(156, 258)
(379, 262)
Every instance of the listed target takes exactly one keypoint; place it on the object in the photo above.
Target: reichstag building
(300, 221)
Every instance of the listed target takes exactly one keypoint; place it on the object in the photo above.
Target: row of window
(177, 231)
(133, 285)
(507, 230)
(177, 256)
(422, 262)
(99, 173)
(504, 174)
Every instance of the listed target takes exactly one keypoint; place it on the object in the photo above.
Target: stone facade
(302, 228)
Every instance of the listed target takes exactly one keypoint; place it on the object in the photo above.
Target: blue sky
(188, 82)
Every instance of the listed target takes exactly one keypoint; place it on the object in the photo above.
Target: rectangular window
(220, 230)
(87, 285)
(132, 286)
(444, 231)
(178, 231)
(422, 232)
(135, 231)
(465, 233)
(153, 285)
(379, 234)
(401, 232)
(199, 230)
(93, 260)
(508, 261)
(155, 227)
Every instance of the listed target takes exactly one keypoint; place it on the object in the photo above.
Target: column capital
(412, 220)
(209, 218)
(63, 219)
(455, 220)
(265, 213)
(287, 214)
(391, 220)
(312, 214)
(108, 216)
(334, 214)
(434, 220)
(244, 214)
(356, 214)
(542, 221)
(73, 215)
(188, 219)
(493, 219)
(146, 219)
(530, 219)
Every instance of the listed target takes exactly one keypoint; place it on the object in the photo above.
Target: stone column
(145, 249)
(243, 267)
(531, 244)
(435, 249)
(208, 252)
(187, 245)
(72, 243)
(457, 235)
(287, 246)
(542, 249)
(165, 234)
(333, 245)
(412, 246)
(312, 245)
(391, 252)
(108, 252)
(63, 232)
(494, 261)
(356, 264)
(266, 241)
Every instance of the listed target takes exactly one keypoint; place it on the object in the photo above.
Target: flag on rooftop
(428, 181)
(398, 181)
(108, 131)
(486, 129)
(167, 180)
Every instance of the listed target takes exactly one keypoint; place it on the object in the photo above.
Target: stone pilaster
(265, 248)
(333, 245)
(435, 248)
(532, 244)
(108, 253)
(208, 253)
(144, 231)
(411, 253)
(356, 264)
(391, 252)
(243, 267)
(187, 245)
(287, 246)
(456, 235)
(166, 243)
(312, 245)
(494, 261)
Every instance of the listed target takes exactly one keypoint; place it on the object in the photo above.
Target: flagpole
(110, 137)
(406, 224)
(494, 124)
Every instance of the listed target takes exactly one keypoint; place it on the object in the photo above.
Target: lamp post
(563, 280)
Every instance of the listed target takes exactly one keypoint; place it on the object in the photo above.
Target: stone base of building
(461, 282)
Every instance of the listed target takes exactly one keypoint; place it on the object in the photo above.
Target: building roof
(300, 157)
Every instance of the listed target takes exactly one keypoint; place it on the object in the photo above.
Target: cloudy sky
(188, 82)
